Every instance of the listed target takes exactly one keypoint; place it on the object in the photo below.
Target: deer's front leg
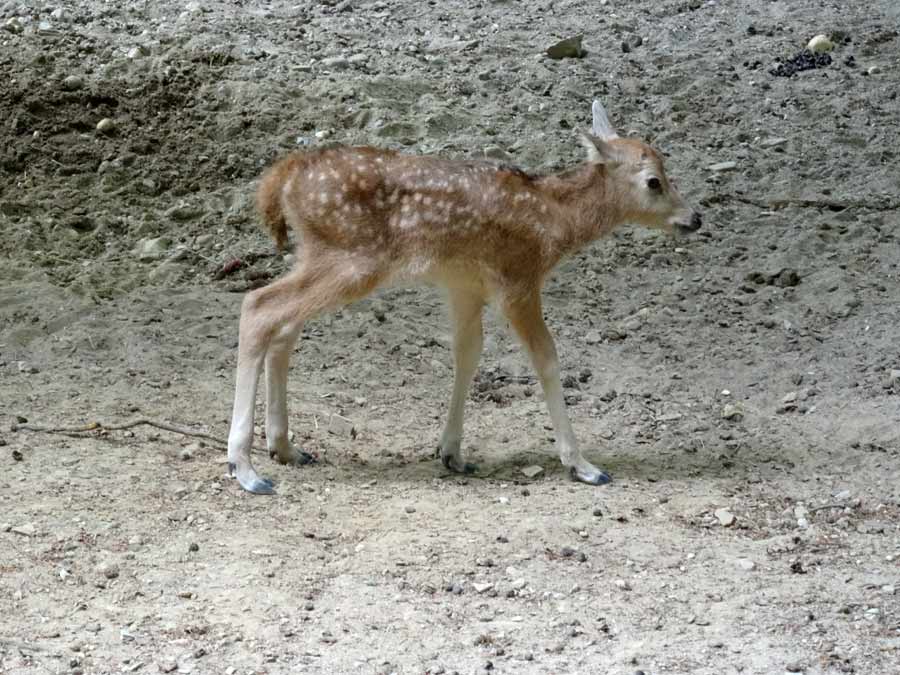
(465, 309)
(525, 316)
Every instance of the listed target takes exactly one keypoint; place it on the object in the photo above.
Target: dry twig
(100, 427)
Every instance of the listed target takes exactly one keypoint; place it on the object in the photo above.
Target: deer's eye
(654, 184)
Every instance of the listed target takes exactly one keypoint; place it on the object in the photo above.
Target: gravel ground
(741, 386)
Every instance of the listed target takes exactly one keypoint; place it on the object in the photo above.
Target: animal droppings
(803, 60)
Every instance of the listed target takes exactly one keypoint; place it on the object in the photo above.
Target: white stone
(820, 44)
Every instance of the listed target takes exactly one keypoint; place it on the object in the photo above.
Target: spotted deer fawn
(364, 217)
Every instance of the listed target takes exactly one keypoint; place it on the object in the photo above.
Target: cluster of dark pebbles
(802, 60)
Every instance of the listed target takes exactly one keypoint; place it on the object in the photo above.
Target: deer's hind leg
(271, 318)
(277, 364)
(466, 310)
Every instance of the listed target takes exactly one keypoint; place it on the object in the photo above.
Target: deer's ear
(600, 125)
(598, 150)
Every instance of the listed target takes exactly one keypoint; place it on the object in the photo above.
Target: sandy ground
(737, 385)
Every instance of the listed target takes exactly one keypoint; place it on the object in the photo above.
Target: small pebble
(110, 570)
(193, 547)
(820, 44)
(570, 48)
(732, 412)
(746, 564)
(725, 517)
(73, 83)
(410, 508)
(26, 530)
(722, 166)
(106, 126)
(335, 62)
(532, 471)
(13, 26)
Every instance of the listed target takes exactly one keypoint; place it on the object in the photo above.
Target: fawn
(365, 217)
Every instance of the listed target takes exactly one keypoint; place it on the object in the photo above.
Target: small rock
(593, 337)
(341, 426)
(336, 62)
(746, 564)
(518, 584)
(13, 26)
(623, 585)
(27, 368)
(774, 142)
(722, 166)
(110, 570)
(873, 70)
(193, 547)
(184, 212)
(598, 513)
(410, 508)
(26, 530)
(820, 44)
(894, 379)
(532, 471)
(570, 48)
(73, 83)
(106, 126)
(786, 278)
(186, 455)
(168, 666)
(795, 667)
(732, 412)
(496, 152)
(136, 52)
(725, 517)
(482, 587)
(152, 249)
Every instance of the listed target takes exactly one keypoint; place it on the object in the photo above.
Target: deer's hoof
(251, 482)
(457, 465)
(592, 476)
(293, 458)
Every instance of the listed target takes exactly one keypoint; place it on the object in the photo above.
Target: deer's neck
(584, 206)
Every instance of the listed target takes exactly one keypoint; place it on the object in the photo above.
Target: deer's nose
(696, 221)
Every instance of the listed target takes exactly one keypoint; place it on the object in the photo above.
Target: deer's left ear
(600, 124)
(598, 150)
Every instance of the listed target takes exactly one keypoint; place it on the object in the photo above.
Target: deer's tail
(268, 200)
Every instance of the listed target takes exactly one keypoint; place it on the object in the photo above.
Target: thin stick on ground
(99, 426)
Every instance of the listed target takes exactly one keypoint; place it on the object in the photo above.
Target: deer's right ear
(598, 150)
